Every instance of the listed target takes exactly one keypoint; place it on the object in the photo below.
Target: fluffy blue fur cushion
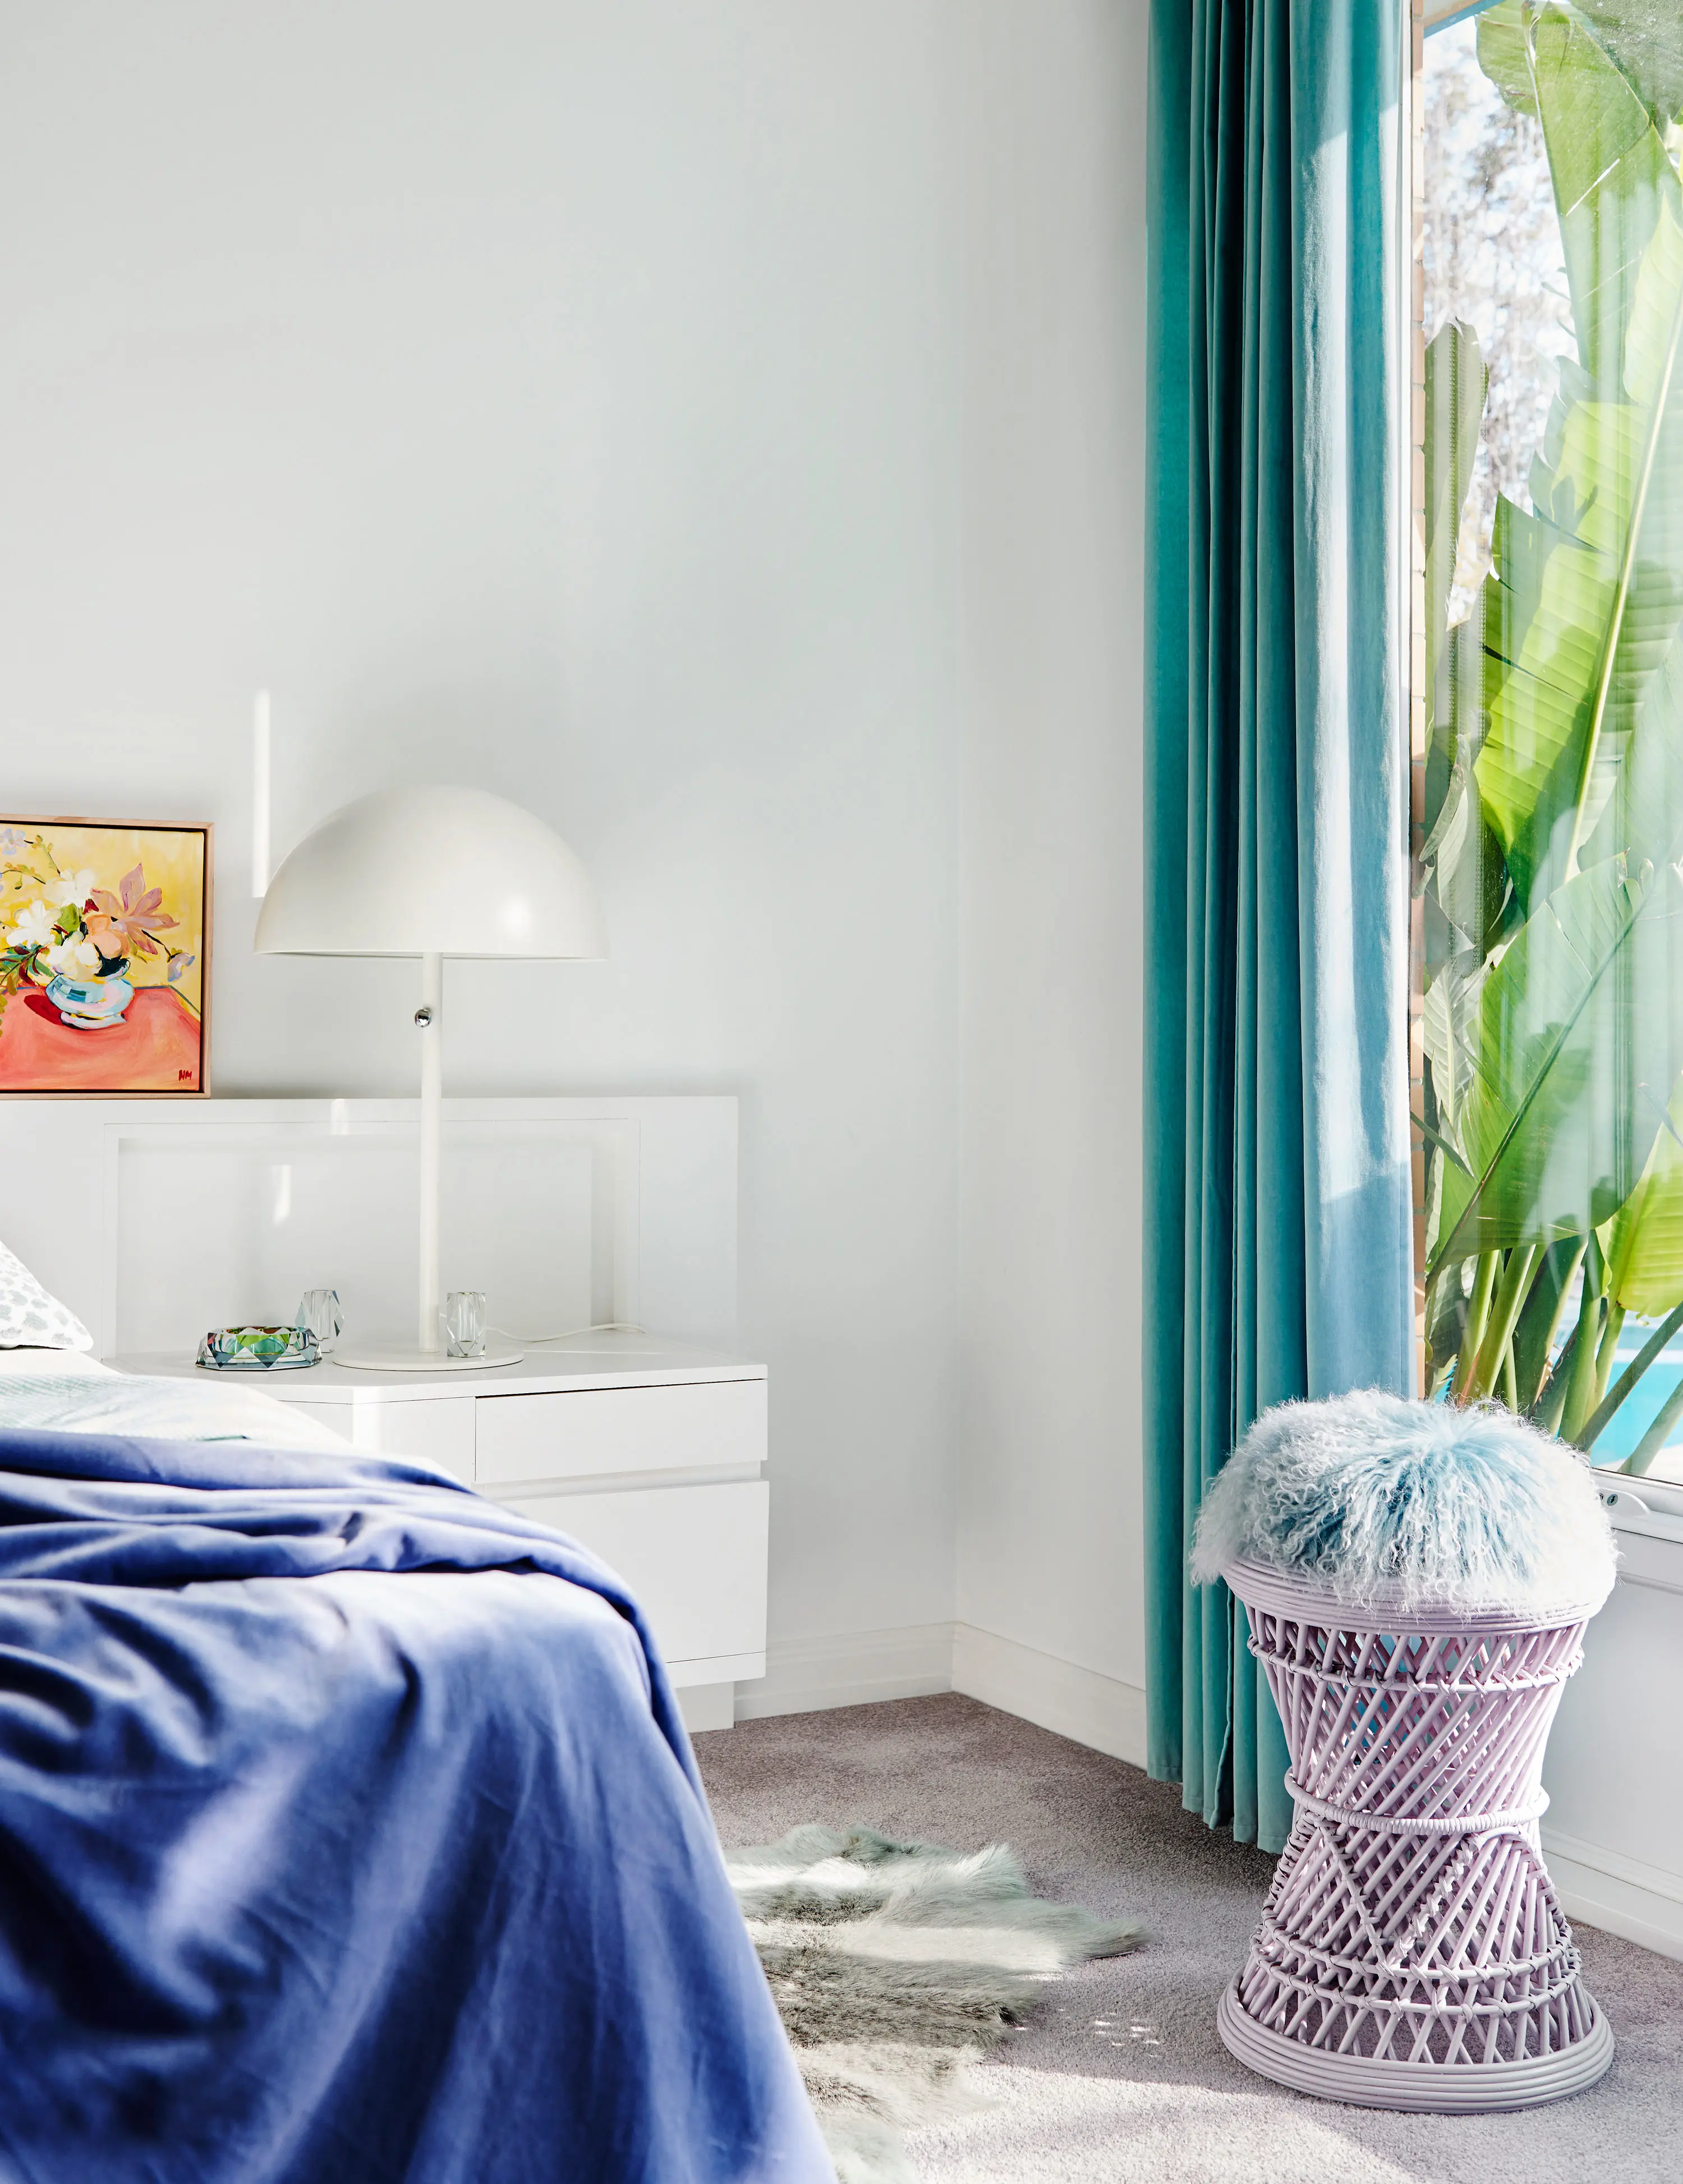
(1417, 1503)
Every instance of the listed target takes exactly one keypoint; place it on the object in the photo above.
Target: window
(1549, 724)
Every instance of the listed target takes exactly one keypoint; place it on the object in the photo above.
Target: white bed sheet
(36, 1364)
(68, 1391)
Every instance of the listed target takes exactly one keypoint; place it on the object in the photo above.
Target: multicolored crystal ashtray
(257, 1349)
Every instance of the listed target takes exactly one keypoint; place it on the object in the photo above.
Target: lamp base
(422, 1360)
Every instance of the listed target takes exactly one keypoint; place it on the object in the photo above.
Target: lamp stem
(430, 1016)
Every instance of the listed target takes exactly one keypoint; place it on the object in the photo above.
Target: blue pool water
(1642, 1406)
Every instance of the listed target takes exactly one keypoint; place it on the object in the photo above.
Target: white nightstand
(651, 1455)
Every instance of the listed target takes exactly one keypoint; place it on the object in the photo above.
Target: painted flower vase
(90, 1004)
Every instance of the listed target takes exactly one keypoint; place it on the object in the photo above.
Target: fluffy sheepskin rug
(894, 1966)
(1418, 1502)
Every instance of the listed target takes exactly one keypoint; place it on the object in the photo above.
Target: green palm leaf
(1645, 1242)
(1587, 999)
(1587, 591)
(1458, 382)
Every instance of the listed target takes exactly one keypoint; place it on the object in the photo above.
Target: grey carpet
(895, 1965)
(1121, 2075)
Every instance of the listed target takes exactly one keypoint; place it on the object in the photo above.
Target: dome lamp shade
(432, 871)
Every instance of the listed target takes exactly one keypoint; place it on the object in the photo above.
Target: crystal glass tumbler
(465, 1323)
(319, 1315)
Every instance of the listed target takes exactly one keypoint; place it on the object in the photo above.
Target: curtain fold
(1278, 1253)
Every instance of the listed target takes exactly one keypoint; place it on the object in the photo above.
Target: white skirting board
(861, 1667)
(857, 1667)
(707, 1706)
(1599, 1887)
(1099, 1711)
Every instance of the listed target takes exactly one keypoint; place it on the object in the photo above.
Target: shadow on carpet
(895, 1965)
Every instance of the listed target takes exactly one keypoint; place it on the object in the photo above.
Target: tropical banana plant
(1553, 861)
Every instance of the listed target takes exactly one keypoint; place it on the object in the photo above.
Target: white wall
(1050, 1527)
(710, 425)
(563, 394)
(1614, 1786)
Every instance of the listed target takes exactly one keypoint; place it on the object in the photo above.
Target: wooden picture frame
(105, 928)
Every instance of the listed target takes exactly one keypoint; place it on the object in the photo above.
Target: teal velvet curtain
(1278, 1214)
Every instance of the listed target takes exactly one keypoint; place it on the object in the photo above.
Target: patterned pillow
(30, 1319)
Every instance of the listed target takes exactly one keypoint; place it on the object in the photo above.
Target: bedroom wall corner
(1049, 1556)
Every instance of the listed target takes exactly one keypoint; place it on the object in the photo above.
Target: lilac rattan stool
(1412, 1953)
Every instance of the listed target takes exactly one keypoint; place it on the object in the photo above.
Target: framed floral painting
(104, 957)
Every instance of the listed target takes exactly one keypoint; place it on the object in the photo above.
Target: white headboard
(154, 1222)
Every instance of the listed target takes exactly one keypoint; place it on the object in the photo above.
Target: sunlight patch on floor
(1064, 2127)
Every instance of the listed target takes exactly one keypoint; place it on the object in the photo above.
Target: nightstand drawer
(438, 1431)
(589, 1432)
(693, 1557)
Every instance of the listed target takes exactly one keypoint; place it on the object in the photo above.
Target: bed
(348, 1832)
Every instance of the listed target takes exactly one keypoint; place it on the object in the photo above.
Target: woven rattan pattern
(1410, 1918)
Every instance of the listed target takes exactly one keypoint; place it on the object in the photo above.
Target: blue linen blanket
(349, 1833)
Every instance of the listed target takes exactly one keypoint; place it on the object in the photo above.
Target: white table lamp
(431, 873)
